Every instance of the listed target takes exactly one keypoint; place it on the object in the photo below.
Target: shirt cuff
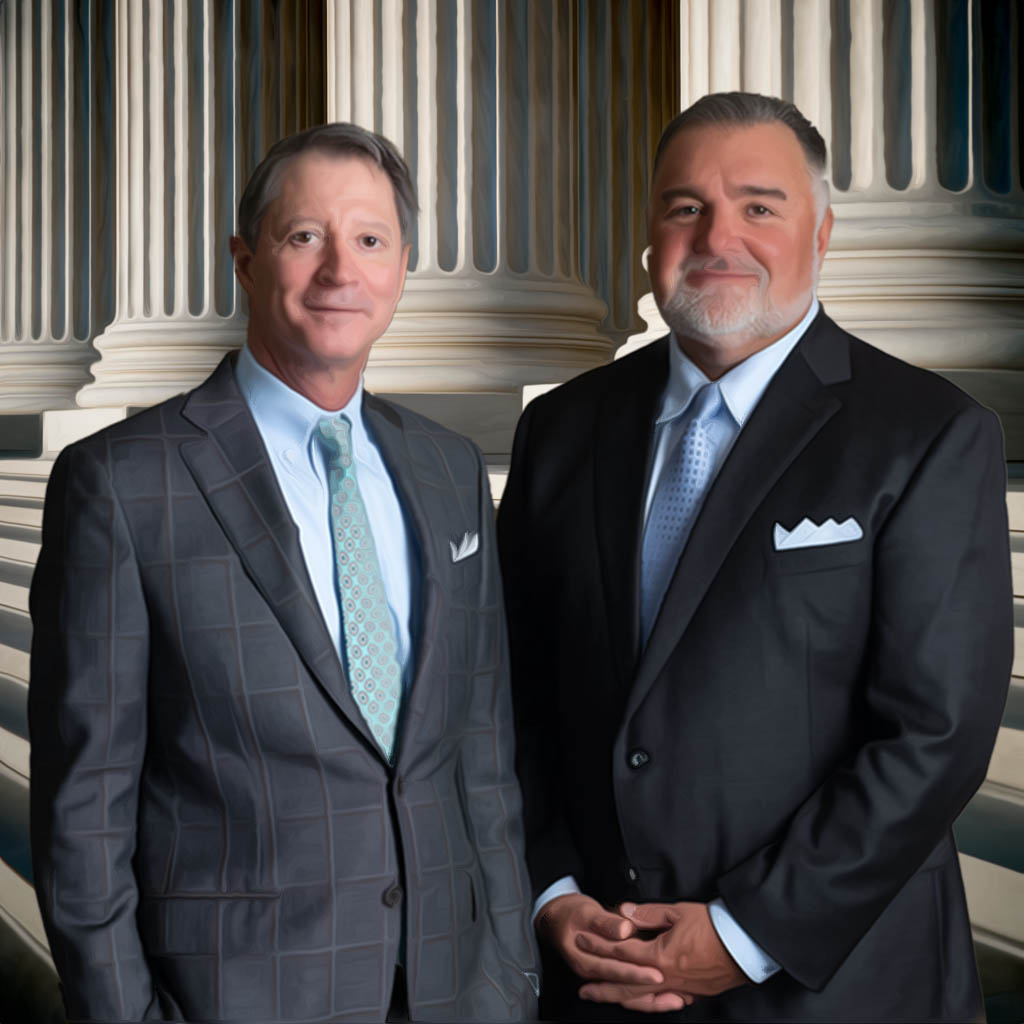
(565, 885)
(755, 963)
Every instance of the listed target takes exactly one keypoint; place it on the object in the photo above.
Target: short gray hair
(735, 109)
(340, 139)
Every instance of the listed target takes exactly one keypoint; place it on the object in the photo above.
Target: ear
(823, 236)
(241, 254)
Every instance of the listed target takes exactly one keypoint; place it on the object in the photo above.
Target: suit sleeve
(492, 790)
(935, 676)
(87, 720)
(550, 851)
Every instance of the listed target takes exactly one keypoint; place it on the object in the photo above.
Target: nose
(716, 230)
(336, 262)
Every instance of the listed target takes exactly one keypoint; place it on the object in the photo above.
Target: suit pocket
(818, 559)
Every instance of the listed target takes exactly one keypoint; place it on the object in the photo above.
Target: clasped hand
(684, 960)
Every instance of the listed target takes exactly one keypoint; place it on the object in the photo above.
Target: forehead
(743, 154)
(321, 183)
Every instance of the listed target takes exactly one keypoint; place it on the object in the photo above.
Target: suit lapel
(231, 468)
(623, 443)
(794, 408)
(385, 426)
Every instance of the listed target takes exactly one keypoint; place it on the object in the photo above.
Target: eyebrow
(369, 224)
(761, 191)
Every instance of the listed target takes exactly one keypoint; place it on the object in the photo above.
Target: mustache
(732, 265)
(335, 299)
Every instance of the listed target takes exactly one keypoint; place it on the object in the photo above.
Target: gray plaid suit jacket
(215, 834)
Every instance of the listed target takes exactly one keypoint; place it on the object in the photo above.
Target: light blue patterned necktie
(371, 651)
(679, 493)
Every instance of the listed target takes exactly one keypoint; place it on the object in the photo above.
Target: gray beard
(690, 314)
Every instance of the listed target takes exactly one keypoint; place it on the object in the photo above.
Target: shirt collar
(285, 417)
(742, 387)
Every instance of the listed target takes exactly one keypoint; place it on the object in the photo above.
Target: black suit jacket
(814, 719)
(215, 834)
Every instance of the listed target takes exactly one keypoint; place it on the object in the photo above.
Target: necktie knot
(336, 433)
(706, 404)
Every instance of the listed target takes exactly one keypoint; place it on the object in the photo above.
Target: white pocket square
(809, 535)
(469, 545)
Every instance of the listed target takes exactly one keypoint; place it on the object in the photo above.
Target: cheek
(382, 282)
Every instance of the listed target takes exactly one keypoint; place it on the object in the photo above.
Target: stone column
(55, 258)
(202, 89)
(927, 254)
(176, 177)
(482, 97)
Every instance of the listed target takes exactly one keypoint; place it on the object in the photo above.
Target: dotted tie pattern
(369, 635)
(685, 477)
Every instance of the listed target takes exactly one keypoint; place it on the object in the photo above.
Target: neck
(328, 386)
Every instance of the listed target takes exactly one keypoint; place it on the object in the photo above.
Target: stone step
(14, 753)
(26, 467)
(1007, 765)
(22, 487)
(19, 543)
(13, 597)
(1013, 716)
(14, 706)
(1015, 503)
(995, 895)
(21, 512)
(19, 904)
(15, 643)
(14, 841)
(1017, 563)
(991, 828)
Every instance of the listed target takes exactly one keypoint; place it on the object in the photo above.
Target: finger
(635, 951)
(604, 969)
(658, 1002)
(611, 992)
(611, 926)
(649, 915)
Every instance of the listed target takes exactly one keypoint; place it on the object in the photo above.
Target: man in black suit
(759, 605)
(272, 769)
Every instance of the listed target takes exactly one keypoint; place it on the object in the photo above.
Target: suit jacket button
(393, 896)
(638, 758)
(631, 874)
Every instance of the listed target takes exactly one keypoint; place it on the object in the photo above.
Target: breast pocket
(818, 558)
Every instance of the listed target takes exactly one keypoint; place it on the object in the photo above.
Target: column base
(143, 362)
(42, 375)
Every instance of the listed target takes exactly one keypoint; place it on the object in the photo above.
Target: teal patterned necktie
(369, 634)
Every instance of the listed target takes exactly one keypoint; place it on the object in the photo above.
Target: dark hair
(747, 108)
(337, 139)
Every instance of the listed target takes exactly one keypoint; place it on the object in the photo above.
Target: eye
(685, 210)
(372, 242)
(758, 210)
(303, 238)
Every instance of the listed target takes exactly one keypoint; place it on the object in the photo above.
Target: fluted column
(176, 182)
(922, 123)
(55, 259)
(481, 97)
(202, 89)
(927, 257)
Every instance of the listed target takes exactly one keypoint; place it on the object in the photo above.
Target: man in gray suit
(271, 745)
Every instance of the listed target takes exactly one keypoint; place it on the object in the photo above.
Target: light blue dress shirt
(742, 388)
(286, 422)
